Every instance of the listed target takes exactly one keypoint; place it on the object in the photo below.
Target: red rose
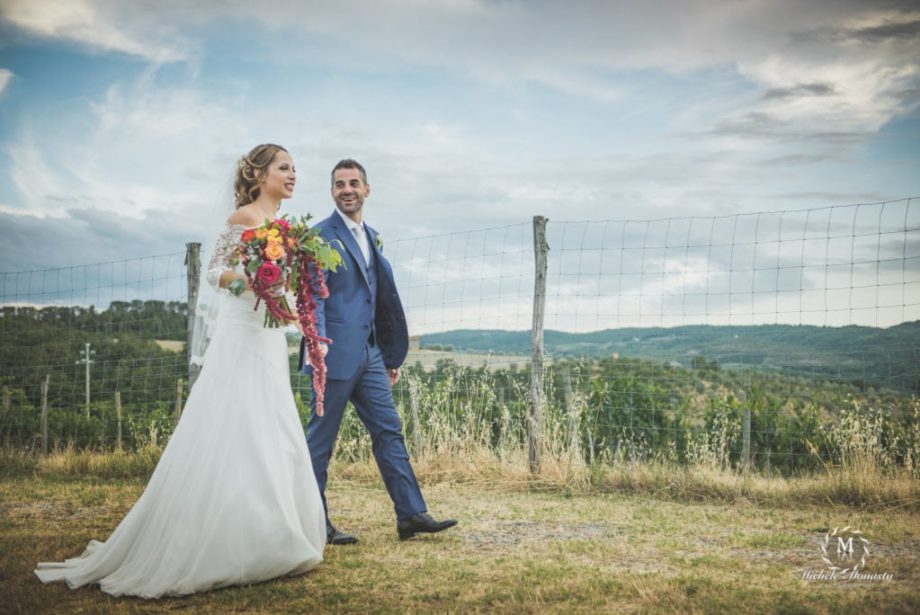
(283, 223)
(248, 235)
(269, 272)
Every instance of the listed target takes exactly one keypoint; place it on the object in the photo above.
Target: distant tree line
(601, 408)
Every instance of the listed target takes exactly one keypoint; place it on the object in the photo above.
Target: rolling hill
(887, 357)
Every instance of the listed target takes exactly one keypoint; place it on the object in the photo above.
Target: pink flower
(269, 272)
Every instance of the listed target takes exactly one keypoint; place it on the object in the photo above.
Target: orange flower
(261, 233)
(248, 235)
(274, 251)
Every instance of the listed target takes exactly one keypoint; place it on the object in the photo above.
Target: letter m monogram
(845, 547)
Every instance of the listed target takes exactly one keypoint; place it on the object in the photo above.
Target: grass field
(519, 547)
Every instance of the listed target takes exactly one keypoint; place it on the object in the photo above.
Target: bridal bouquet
(282, 256)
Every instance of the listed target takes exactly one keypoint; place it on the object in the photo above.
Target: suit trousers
(370, 392)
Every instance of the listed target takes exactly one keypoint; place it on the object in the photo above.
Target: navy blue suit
(364, 318)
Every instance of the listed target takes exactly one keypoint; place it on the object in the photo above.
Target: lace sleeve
(224, 252)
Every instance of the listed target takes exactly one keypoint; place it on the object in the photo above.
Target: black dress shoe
(335, 537)
(422, 523)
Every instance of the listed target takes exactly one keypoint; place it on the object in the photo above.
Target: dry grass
(515, 550)
(479, 467)
(624, 537)
(171, 345)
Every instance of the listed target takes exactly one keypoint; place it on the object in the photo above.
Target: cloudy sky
(120, 121)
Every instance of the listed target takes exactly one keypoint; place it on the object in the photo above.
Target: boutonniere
(379, 242)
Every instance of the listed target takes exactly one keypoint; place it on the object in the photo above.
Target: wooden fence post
(44, 415)
(118, 419)
(192, 277)
(7, 410)
(746, 440)
(535, 422)
(178, 400)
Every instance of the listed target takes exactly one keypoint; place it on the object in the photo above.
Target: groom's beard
(350, 207)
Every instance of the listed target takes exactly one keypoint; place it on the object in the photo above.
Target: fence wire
(660, 335)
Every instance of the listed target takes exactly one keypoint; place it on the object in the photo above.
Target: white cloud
(145, 111)
(831, 83)
(864, 52)
(32, 175)
(6, 76)
(867, 56)
(576, 84)
(101, 25)
(134, 152)
(794, 83)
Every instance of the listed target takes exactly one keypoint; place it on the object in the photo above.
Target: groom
(365, 321)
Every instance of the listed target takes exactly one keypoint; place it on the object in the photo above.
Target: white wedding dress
(233, 499)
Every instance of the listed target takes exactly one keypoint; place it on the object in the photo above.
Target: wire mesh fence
(91, 330)
(743, 339)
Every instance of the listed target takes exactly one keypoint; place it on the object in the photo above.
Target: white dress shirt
(360, 235)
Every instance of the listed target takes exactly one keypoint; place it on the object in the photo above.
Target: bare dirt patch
(504, 535)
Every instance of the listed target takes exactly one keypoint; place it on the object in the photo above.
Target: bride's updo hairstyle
(250, 171)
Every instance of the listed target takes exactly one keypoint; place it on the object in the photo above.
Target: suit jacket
(362, 305)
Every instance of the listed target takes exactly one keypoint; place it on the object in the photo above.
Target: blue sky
(120, 121)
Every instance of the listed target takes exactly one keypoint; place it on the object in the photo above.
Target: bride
(233, 499)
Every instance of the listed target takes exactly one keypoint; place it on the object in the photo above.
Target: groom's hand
(393, 376)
